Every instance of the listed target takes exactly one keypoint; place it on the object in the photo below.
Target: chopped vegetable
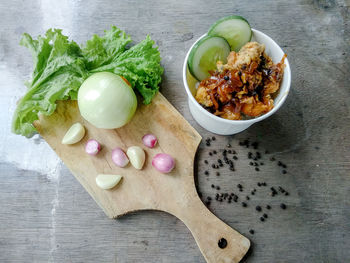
(136, 156)
(107, 181)
(119, 157)
(163, 162)
(61, 66)
(106, 100)
(235, 29)
(149, 140)
(92, 147)
(205, 54)
(75, 133)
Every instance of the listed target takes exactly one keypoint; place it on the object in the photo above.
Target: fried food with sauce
(244, 86)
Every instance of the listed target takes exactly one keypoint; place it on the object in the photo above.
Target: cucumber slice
(205, 54)
(235, 29)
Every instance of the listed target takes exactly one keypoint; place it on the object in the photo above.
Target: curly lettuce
(61, 66)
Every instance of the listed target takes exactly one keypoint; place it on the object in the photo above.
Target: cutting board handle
(218, 242)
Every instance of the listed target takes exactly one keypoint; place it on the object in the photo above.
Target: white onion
(163, 162)
(119, 157)
(149, 140)
(92, 147)
(106, 100)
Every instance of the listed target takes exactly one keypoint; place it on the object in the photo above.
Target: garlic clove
(136, 156)
(75, 133)
(107, 181)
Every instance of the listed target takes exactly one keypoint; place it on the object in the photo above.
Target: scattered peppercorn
(268, 207)
(235, 157)
(214, 152)
(206, 173)
(262, 219)
(283, 206)
(272, 159)
(213, 138)
(247, 197)
(217, 174)
(257, 169)
(265, 215)
(284, 171)
(212, 186)
(244, 204)
(251, 231)
(258, 208)
(205, 161)
(210, 153)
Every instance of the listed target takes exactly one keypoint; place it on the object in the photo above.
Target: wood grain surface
(145, 189)
(47, 216)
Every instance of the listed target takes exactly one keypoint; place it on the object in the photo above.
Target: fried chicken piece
(274, 75)
(230, 112)
(249, 53)
(253, 107)
(203, 97)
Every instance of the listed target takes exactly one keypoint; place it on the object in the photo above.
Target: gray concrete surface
(46, 216)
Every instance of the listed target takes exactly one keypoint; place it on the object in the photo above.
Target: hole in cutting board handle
(222, 243)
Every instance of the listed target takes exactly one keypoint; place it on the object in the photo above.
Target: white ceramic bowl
(222, 126)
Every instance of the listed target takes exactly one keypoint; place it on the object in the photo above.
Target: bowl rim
(249, 121)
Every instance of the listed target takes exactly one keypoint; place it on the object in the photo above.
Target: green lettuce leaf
(59, 70)
(61, 66)
(140, 65)
(103, 50)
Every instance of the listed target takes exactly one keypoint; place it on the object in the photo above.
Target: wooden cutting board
(145, 189)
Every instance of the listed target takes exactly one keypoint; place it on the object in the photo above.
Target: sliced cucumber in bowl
(235, 29)
(204, 55)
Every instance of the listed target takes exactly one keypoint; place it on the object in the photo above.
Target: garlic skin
(107, 181)
(75, 133)
(136, 156)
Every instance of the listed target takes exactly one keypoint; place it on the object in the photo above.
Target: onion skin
(119, 157)
(92, 147)
(149, 140)
(163, 162)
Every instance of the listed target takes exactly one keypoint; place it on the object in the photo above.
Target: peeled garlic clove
(107, 181)
(75, 133)
(136, 156)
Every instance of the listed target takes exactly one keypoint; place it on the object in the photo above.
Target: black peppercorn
(262, 219)
(251, 231)
(244, 204)
(222, 243)
(283, 206)
(206, 173)
(265, 215)
(268, 207)
(258, 208)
